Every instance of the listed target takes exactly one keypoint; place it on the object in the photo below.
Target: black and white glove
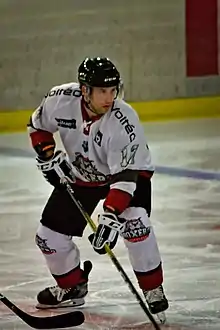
(107, 232)
(50, 167)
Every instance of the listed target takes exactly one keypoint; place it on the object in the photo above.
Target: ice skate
(157, 302)
(56, 297)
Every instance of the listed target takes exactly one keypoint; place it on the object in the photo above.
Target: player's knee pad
(140, 240)
(60, 252)
(137, 224)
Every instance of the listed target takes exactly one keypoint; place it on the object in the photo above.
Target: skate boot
(157, 302)
(56, 297)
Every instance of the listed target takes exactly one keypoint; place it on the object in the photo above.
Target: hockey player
(106, 157)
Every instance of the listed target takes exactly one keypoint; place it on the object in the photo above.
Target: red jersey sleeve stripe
(41, 136)
(117, 200)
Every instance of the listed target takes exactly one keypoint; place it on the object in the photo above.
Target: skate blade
(69, 303)
(161, 317)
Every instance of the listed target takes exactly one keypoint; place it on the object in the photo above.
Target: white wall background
(43, 42)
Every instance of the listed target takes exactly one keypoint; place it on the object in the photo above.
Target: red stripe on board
(201, 38)
(218, 28)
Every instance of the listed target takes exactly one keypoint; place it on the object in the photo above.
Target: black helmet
(98, 72)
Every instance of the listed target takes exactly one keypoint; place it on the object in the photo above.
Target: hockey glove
(47, 167)
(107, 232)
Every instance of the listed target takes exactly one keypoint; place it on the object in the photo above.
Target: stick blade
(67, 320)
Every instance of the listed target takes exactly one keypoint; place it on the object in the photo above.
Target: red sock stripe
(150, 280)
(70, 279)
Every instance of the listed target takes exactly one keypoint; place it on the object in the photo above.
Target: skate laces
(58, 292)
(154, 295)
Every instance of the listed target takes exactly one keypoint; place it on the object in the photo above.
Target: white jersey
(97, 149)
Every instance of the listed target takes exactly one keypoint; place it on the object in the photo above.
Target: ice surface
(185, 217)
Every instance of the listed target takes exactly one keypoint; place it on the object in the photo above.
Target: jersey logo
(129, 128)
(64, 91)
(128, 155)
(66, 123)
(98, 138)
(135, 230)
(88, 170)
(85, 146)
(42, 244)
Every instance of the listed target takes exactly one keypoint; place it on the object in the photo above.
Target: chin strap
(88, 105)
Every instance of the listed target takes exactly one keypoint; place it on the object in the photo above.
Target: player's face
(102, 98)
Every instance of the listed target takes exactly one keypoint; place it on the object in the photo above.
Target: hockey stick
(115, 261)
(67, 320)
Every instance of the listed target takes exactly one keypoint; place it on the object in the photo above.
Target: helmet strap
(87, 100)
(89, 106)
